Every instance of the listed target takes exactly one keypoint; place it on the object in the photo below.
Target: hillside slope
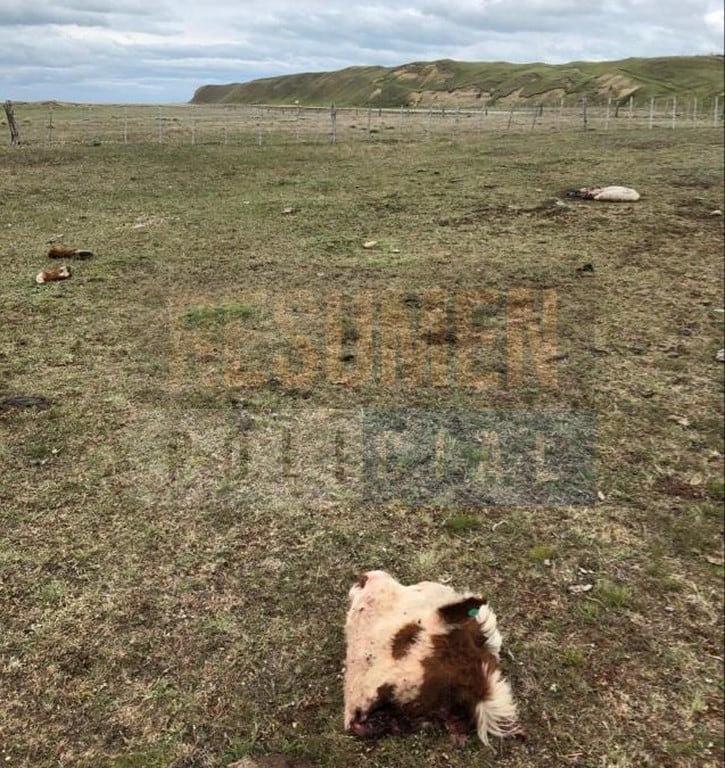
(449, 82)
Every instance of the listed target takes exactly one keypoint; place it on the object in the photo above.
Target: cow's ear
(457, 613)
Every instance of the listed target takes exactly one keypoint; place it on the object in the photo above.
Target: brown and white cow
(423, 653)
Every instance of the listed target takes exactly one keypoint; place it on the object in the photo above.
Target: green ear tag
(473, 612)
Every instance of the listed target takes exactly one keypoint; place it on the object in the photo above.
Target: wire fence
(241, 124)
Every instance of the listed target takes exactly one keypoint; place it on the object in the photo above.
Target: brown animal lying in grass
(420, 654)
(49, 275)
(611, 194)
(57, 251)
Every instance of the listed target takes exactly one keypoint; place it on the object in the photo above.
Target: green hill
(449, 82)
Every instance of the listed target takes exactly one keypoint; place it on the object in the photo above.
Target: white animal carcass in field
(609, 194)
(423, 653)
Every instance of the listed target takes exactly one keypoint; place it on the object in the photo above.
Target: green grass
(612, 595)
(224, 313)
(461, 524)
(542, 552)
(182, 525)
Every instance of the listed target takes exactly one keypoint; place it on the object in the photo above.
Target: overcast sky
(160, 51)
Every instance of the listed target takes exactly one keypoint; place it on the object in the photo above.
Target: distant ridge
(451, 83)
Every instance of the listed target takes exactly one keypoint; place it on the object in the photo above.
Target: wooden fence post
(585, 118)
(333, 124)
(674, 110)
(10, 112)
(651, 111)
(50, 123)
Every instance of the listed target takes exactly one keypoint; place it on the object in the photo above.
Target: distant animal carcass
(610, 194)
(50, 275)
(57, 251)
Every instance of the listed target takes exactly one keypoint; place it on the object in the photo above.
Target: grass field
(181, 525)
(53, 124)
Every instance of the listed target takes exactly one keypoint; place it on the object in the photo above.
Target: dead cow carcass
(423, 654)
(50, 275)
(610, 194)
(57, 251)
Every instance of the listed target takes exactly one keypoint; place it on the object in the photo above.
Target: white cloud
(132, 50)
(715, 24)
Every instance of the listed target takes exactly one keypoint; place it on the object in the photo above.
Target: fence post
(651, 111)
(715, 110)
(50, 123)
(630, 111)
(559, 112)
(585, 118)
(694, 110)
(10, 112)
(511, 117)
(333, 124)
(674, 110)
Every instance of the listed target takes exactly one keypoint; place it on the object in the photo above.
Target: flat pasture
(290, 361)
